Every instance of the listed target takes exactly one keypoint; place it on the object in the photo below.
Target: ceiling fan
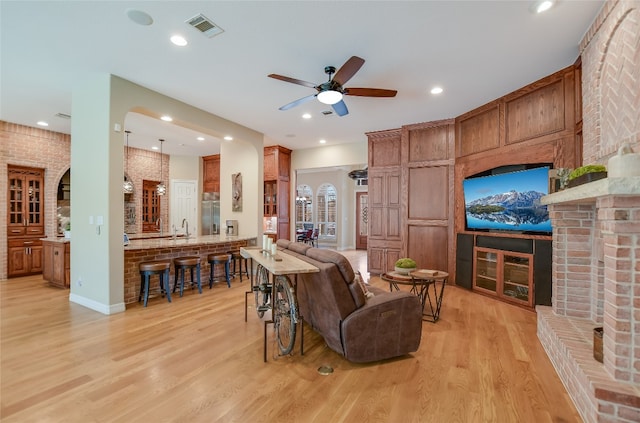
(332, 91)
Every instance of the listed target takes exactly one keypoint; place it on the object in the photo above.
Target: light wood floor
(196, 360)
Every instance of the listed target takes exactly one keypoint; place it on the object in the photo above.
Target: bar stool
(217, 259)
(181, 264)
(149, 268)
(236, 257)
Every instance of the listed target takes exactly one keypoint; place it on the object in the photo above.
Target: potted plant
(405, 266)
(67, 230)
(588, 173)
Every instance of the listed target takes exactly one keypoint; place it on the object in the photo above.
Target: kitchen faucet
(184, 222)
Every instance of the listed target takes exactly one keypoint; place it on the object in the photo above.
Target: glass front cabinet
(505, 274)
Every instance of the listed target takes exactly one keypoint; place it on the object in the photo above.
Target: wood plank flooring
(196, 360)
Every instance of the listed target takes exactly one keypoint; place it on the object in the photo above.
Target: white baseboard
(96, 306)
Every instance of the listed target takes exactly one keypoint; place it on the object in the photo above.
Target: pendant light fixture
(127, 185)
(161, 189)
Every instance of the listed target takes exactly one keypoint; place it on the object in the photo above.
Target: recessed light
(228, 138)
(323, 141)
(542, 5)
(436, 90)
(167, 118)
(200, 138)
(155, 148)
(42, 123)
(179, 40)
(306, 116)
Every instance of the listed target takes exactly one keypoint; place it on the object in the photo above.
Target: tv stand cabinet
(505, 274)
(512, 269)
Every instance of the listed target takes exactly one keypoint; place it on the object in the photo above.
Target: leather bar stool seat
(150, 268)
(236, 258)
(217, 259)
(180, 265)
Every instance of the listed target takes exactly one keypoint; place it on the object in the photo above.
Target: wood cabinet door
(150, 206)
(211, 173)
(18, 262)
(35, 259)
(25, 201)
(58, 265)
(47, 261)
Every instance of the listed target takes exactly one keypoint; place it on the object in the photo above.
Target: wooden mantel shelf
(589, 192)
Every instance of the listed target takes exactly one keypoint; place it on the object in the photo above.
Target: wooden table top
(281, 264)
(418, 276)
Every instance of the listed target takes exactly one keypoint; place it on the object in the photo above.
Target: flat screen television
(508, 201)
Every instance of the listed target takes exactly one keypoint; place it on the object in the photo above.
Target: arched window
(327, 211)
(304, 207)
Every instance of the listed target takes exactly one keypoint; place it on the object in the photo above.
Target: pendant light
(161, 188)
(127, 185)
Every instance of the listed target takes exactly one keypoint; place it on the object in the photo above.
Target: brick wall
(36, 147)
(132, 258)
(596, 266)
(610, 80)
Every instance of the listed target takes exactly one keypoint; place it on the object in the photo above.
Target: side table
(427, 284)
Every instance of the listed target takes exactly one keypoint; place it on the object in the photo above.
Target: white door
(184, 203)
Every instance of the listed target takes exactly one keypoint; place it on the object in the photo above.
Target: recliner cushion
(298, 247)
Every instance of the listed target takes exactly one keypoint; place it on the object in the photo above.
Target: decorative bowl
(405, 270)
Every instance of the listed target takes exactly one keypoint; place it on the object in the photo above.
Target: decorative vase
(405, 270)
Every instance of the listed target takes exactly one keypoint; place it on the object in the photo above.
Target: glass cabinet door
(516, 277)
(486, 270)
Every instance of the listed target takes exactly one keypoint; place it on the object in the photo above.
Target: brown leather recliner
(387, 325)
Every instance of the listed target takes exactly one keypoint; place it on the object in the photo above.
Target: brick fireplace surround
(596, 273)
(596, 233)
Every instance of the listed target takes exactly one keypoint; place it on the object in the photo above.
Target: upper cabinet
(211, 173)
(25, 201)
(277, 165)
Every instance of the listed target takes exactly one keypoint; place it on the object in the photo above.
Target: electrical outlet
(79, 282)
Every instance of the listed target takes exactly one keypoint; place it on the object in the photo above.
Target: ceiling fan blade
(349, 69)
(340, 108)
(292, 80)
(298, 102)
(370, 92)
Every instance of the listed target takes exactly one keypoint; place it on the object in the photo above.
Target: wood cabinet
(277, 189)
(25, 220)
(56, 263)
(150, 207)
(24, 256)
(505, 274)
(211, 173)
(25, 201)
(384, 242)
(270, 198)
(411, 196)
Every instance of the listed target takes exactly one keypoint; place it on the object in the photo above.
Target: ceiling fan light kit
(332, 91)
(329, 97)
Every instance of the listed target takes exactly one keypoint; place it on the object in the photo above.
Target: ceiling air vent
(327, 112)
(205, 25)
(63, 115)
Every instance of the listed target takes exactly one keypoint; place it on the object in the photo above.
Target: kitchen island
(153, 249)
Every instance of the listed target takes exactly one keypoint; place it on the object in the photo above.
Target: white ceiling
(476, 50)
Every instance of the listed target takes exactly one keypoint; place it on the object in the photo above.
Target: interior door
(362, 218)
(184, 205)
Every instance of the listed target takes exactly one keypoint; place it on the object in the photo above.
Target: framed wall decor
(236, 190)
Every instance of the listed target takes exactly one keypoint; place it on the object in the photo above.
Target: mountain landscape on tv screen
(511, 209)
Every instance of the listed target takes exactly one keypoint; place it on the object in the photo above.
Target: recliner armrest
(388, 325)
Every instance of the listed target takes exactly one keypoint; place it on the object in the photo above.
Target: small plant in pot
(405, 266)
(587, 173)
(67, 230)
